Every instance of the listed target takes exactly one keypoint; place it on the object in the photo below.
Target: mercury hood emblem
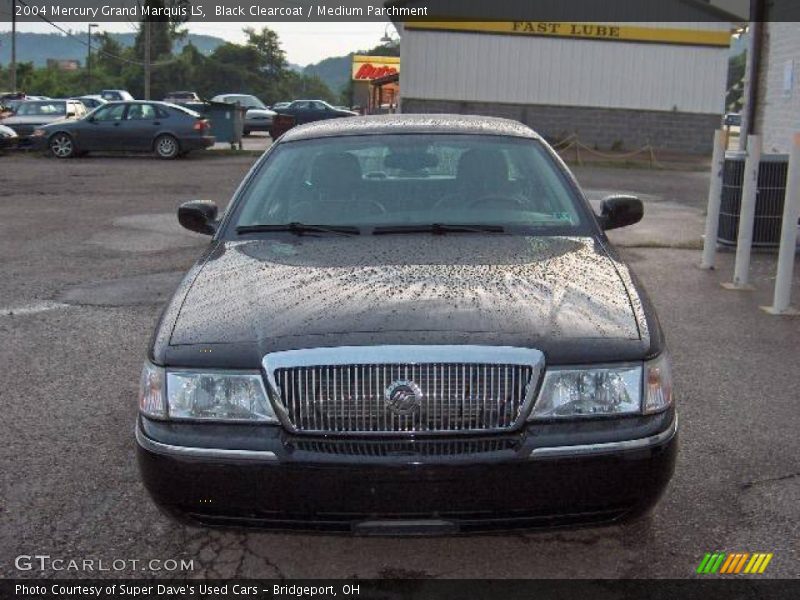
(403, 397)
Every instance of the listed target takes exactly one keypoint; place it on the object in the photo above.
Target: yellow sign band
(590, 31)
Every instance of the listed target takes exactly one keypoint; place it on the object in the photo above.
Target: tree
(735, 88)
(267, 44)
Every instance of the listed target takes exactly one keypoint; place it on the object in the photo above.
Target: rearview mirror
(199, 216)
(620, 211)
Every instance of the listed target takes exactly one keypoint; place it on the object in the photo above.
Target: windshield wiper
(439, 228)
(300, 229)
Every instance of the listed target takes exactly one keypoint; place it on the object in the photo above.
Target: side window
(301, 105)
(110, 113)
(141, 112)
(319, 106)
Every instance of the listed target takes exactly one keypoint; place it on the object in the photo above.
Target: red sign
(368, 71)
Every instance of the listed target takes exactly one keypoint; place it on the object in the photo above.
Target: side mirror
(199, 216)
(620, 211)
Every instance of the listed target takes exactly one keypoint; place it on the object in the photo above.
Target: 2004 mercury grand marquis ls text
(405, 325)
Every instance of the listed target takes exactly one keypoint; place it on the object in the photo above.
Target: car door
(302, 112)
(104, 130)
(142, 123)
(322, 111)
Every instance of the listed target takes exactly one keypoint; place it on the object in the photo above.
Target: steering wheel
(381, 208)
(498, 201)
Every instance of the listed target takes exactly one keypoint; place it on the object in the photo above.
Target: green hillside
(38, 47)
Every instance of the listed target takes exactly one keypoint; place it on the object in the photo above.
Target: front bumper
(258, 124)
(8, 143)
(431, 486)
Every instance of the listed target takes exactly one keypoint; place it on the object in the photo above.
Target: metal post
(13, 68)
(89, 58)
(747, 215)
(791, 212)
(714, 201)
(147, 58)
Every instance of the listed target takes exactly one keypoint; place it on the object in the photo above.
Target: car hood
(546, 287)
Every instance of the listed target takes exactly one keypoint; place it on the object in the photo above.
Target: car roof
(410, 123)
(159, 102)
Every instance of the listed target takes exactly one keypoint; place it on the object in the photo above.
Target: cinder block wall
(778, 100)
(605, 128)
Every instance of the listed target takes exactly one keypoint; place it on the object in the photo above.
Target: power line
(99, 50)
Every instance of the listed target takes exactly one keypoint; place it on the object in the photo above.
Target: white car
(258, 116)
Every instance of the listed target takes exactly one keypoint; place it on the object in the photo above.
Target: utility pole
(89, 59)
(147, 58)
(13, 45)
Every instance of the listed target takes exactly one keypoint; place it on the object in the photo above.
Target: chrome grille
(353, 390)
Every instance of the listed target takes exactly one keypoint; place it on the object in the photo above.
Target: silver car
(258, 116)
(31, 114)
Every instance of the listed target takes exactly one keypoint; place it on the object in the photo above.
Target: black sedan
(138, 126)
(305, 111)
(408, 325)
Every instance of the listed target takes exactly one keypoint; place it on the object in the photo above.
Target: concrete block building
(616, 84)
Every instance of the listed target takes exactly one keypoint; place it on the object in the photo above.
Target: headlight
(221, 396)
(39, 133)
(203, 395)
(590, 392)
(608, 390)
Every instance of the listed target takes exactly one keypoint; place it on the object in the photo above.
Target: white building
(615, 84)
(774, 105)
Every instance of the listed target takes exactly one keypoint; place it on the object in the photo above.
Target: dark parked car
(91, 101)
(306, 111)
(407, 324)
(8, 138)
(32, 114)
(732, 120)
(138, 126)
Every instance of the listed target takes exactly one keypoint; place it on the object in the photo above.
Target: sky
(304, 43)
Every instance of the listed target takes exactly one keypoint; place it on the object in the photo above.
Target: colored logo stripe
(758, 563)
(734, 563)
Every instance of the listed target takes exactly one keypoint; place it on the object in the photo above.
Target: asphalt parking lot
(89, 249)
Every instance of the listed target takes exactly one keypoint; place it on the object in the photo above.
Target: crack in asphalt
(750, 484)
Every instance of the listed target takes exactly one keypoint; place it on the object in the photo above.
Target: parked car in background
(91, 101)
(732, 120)
(166, 129)
(182, 97)
(468, 351)
(31, 114)
(307, 111)
(257, 118)
(8, 138)
(116, 95)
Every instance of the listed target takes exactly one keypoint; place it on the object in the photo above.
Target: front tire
(167, 147)
(62, 146)
(246, 132)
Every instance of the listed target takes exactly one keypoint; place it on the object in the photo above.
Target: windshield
(29, 109)
(246, 101)
(411, 179)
